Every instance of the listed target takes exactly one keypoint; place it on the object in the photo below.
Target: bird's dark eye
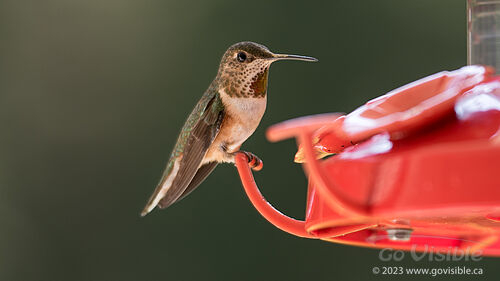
(241, 56)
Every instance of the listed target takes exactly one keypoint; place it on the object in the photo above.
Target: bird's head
(244, 68)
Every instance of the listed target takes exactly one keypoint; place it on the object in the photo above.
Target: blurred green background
(93, 94)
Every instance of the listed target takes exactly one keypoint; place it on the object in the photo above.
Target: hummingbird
(226, 115)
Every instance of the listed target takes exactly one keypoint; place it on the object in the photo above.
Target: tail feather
(162, 188)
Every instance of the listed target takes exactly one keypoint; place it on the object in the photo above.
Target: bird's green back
(191, 122)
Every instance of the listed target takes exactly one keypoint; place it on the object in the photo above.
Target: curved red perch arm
(278, 219)
(300, 128)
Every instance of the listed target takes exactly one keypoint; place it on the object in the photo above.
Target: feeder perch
(414, 168)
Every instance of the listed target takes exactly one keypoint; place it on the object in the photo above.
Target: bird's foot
(254, 162)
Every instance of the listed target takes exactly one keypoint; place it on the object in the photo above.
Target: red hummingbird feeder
(415, 168)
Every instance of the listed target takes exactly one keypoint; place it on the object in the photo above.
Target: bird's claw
(254, 162)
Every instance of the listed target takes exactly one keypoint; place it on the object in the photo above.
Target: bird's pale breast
(242, 116)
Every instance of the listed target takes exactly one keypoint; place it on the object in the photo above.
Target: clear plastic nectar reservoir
(483, 32)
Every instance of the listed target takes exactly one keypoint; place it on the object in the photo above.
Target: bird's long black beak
(293, 57)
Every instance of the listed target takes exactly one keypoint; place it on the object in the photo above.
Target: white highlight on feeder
(479, 99)
(378, 144)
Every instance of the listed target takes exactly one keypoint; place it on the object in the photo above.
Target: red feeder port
(415, 168)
